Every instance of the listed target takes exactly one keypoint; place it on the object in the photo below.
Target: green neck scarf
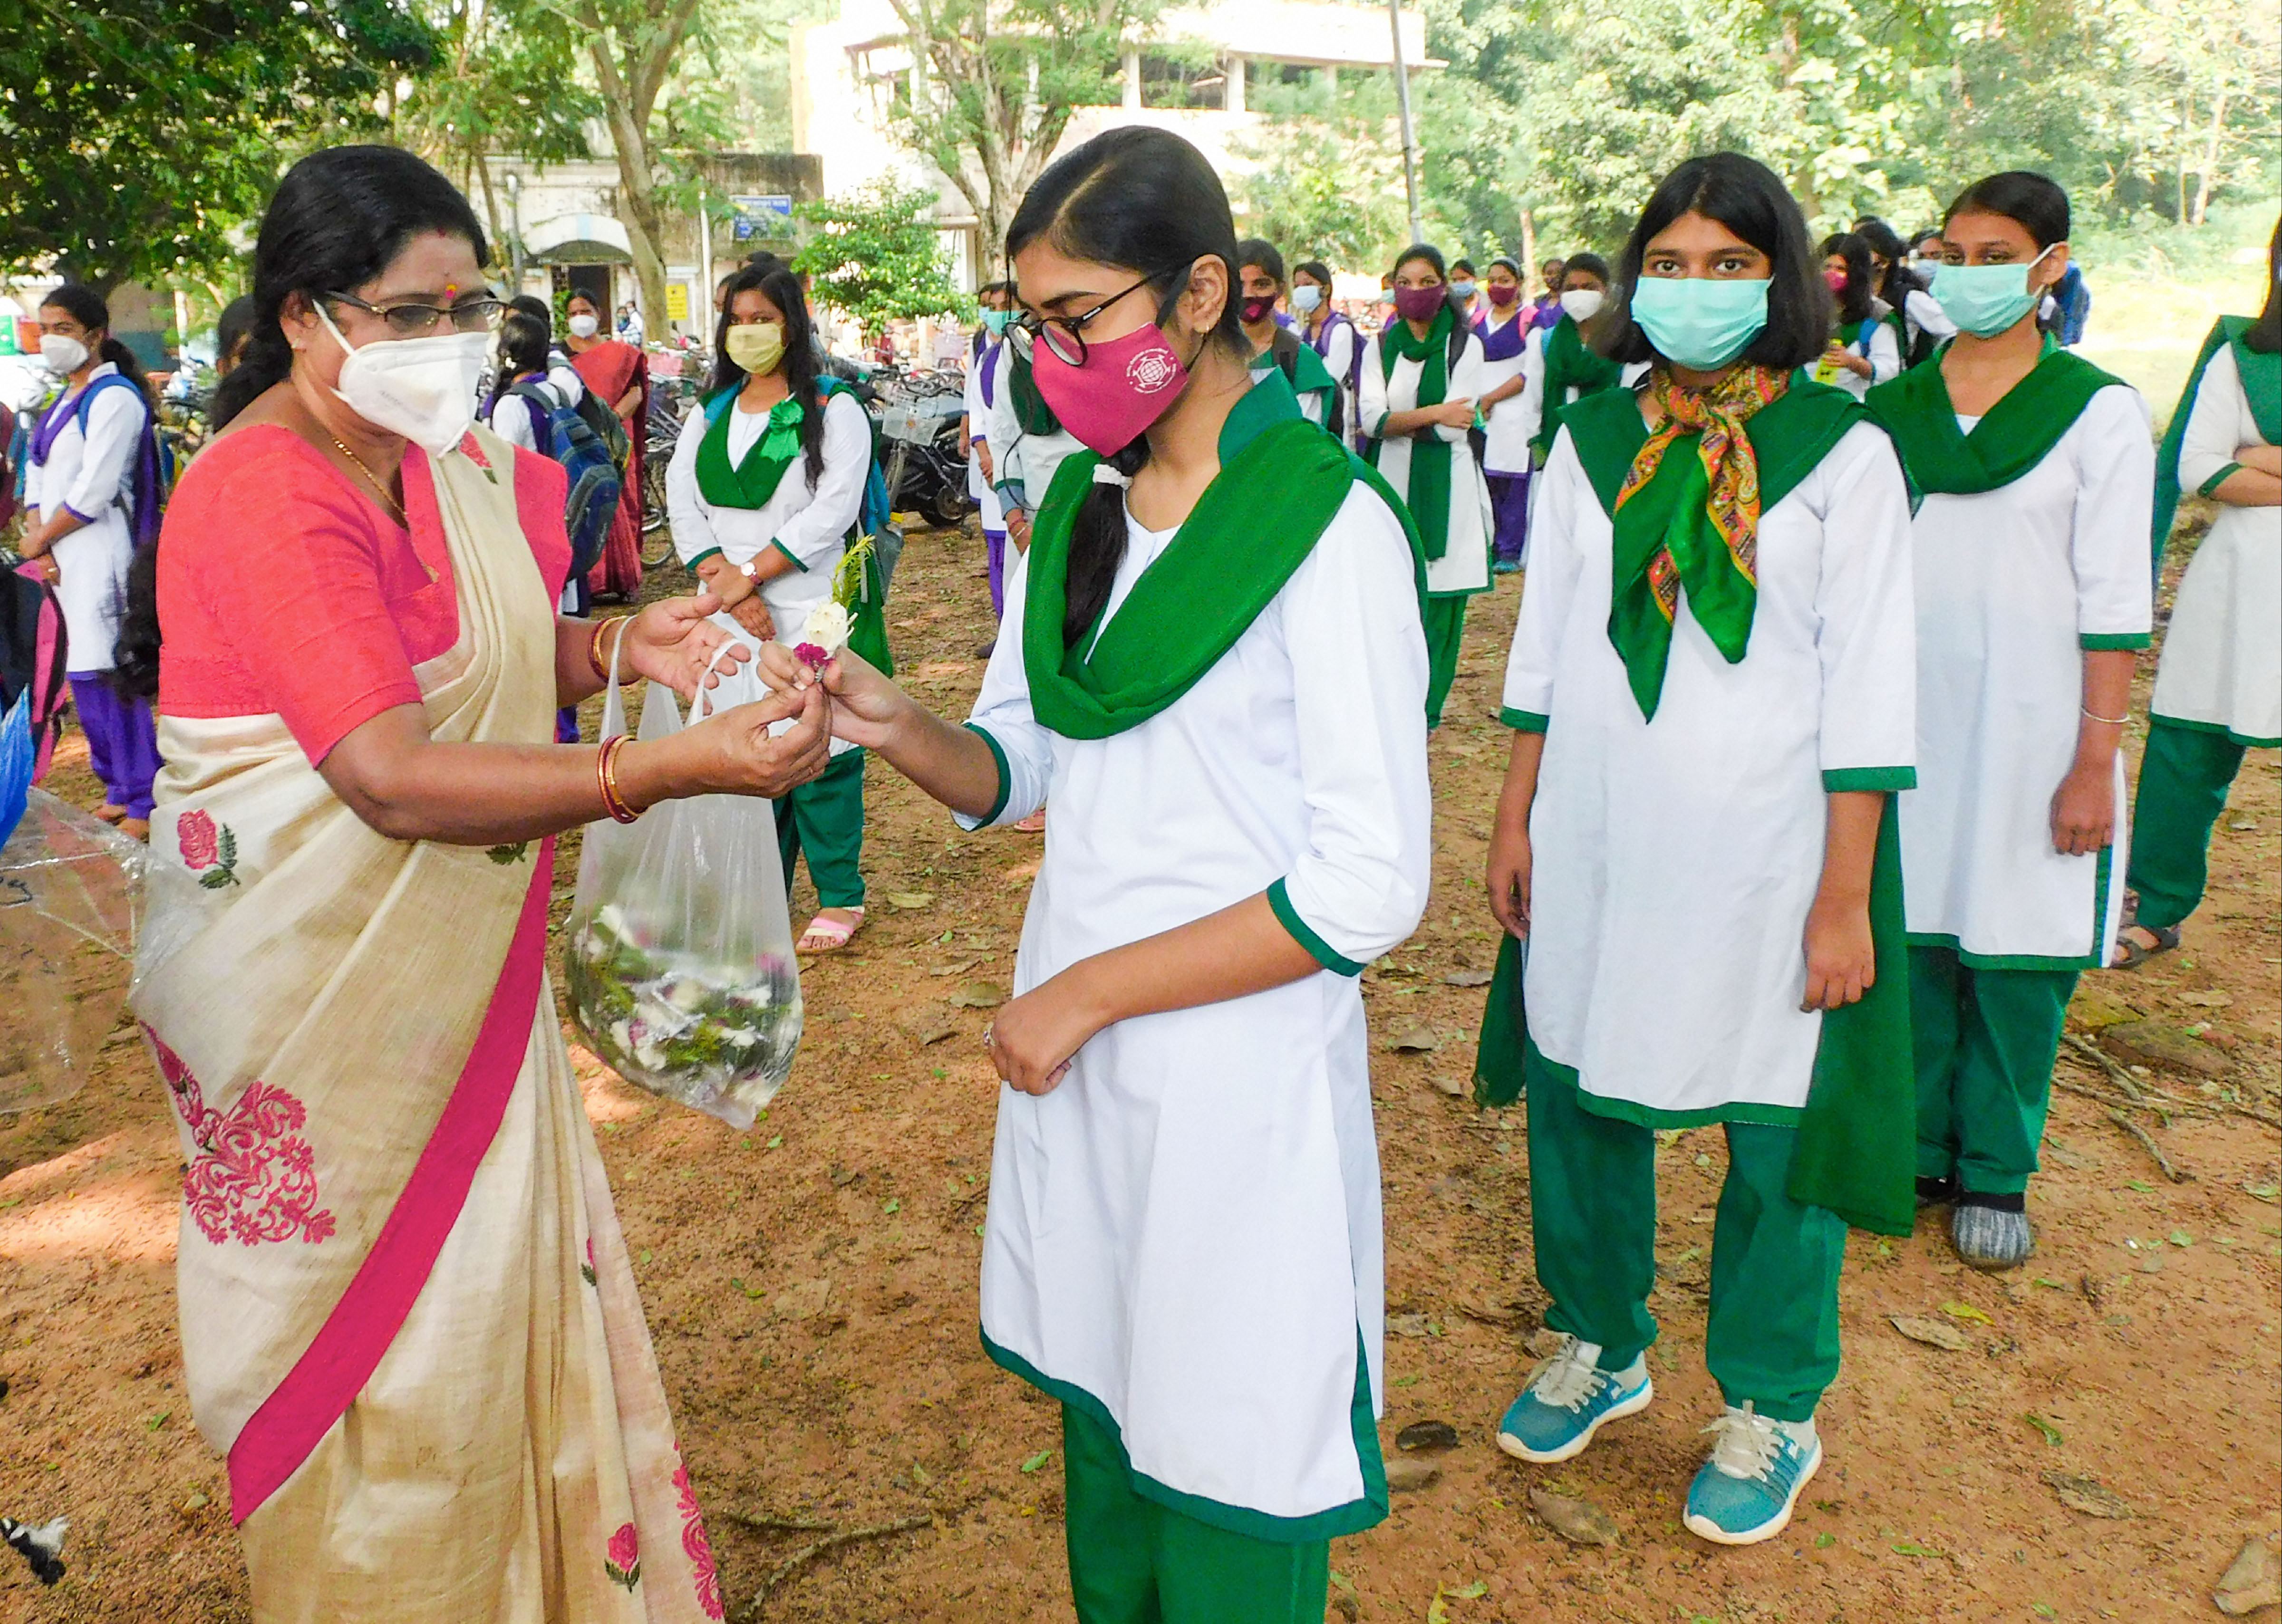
(1668, 517)
(1429, 496)
(1569, 365)
(2261, 385)
(1032, 414)
(749, 483)
(2016, 433)
(1281, 480)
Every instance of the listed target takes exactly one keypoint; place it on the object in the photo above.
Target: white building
(845, 74)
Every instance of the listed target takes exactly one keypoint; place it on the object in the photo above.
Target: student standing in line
(1418, 396)
(1546, 310)
(1465, 292)
(2218, 690)
(91, 485)
(1865, 348)
(1333, 336)
(981, 388)
(2037, 475)
(1504, 330)
(1903, 278)
(1218, 610)
(1276, 345)
(1711, 689)
(1565, 366)
(766, 493)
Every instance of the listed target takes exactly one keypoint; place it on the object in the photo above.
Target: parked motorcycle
(925, 458)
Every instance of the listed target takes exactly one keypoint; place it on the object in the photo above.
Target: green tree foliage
(876, 256)
(1324, 177)
(136, 134)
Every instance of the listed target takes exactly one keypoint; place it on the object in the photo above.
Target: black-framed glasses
(1064, 335)
(414, 321)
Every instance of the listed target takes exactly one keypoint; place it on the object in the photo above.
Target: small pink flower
(622, 1560)
(201, 842)
(814, 657)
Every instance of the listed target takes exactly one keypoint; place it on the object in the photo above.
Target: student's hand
(1508, 878)
(1841, 962)
(2260, 458)
(1018, 528)
(866, 706)
(2083, 810)
(1454, 413)
(752, 612)
(733, 754)
(1031, 1040)
(673, 642)
(983, 461)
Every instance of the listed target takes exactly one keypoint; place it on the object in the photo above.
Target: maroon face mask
(1836, 279)
(1256, 309)
(1502, 293)
(1420, 304)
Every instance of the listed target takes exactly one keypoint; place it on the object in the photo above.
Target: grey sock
(1988, 1238)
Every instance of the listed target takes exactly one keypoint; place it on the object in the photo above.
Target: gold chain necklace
(395, 506)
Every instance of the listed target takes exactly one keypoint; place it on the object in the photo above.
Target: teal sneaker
(1568, 1400)
(1745, 1492)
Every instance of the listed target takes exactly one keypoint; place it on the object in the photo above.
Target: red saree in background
(409, 1317)
(609, 369)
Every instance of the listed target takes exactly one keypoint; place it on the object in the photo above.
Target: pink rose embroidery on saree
(257, 1180)
(623, 1561)
(696, 1547)
(209, 849)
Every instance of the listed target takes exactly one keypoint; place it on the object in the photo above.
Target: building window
(1172, 81)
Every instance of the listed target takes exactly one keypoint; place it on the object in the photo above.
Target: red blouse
(285, 588)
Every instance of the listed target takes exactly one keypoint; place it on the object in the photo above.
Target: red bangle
(605, 774)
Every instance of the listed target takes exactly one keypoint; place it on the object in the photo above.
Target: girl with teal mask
(2034, 472)
(1711, 690)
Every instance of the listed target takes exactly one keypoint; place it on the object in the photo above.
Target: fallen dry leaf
(1415, 1040)
(1454, 1086)
(2253, 1579)
(1468, 978)
(2088, 1495)
(1580, 1523)
(979, 995)
(1408, 1474)
(925, 1024)
(1932, 1332)
(906, 901)
(1428, 1435)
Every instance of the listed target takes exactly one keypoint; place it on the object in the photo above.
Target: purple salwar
(1509, 515)
(122, 742)
(995, 541)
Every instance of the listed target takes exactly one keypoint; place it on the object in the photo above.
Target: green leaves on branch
(877, 256)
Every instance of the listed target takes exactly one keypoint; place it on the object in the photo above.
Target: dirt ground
(812, 1286)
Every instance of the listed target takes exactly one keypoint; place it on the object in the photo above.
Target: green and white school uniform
(1310, 380)
(1877, 342)
(739, 488)
(1677, 838)
(1437, 475)
(1027, 441)
(2032, 547)
(1183, 1241)
(2218, 690)
(1561, 369)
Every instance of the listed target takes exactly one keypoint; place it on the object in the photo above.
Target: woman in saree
(407, 1313)
(619, 375)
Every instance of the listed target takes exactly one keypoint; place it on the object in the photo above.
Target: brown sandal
(2130, 954)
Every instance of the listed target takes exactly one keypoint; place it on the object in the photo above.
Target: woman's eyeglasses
(475, 315)
(1064, 335)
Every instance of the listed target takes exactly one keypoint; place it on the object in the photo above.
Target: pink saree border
(321, 1385)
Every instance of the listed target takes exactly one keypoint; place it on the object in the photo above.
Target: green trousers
(1773, 1333)
(1133, 1562)
(1983, 1042)
(825, 818)
(1445, 628)
(2184, 779)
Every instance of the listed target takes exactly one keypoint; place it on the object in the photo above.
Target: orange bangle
(605, 774)
(594, 646)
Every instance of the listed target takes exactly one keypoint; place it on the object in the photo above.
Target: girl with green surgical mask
(765, 502)
(2036, 472)
(1711, 690)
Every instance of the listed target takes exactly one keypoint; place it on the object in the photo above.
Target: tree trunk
(630, 91)
(1528, 246)
(2210, 159)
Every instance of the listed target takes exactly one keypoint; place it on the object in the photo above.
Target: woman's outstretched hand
(733, 753)
(673, 641)
(866, 705)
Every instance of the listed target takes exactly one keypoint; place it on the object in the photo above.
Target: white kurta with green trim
(1184, 1236)
(2013, 585)
(2222, 670)
(1674, 861)
(1464, 565)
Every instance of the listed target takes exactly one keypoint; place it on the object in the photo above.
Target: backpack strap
(1285, 349)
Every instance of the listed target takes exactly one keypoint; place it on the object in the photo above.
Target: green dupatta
(2261, 386)
(2016, 433)
(750, 483)
(1428, 498)
(1281, 480)
(1569, 365)
(1789, 435)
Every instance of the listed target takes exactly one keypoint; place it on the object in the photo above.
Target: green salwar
(1445, 628)
(1773, 1334)
(825, 819)
(1133, 1562)
(2184, 779)
(1983, 1042)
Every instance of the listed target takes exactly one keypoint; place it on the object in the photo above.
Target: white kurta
(1885, 354)
(1339, 361)
(1025, 464)
(1187, 1228)
(982, 490)
(1513, 420)
(1464, 565)
(808, 523)
(2012, 585)
(2221, 665)
(1675, 860)
(93, 474)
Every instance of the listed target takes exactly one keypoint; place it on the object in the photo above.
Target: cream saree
(409, 1317)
